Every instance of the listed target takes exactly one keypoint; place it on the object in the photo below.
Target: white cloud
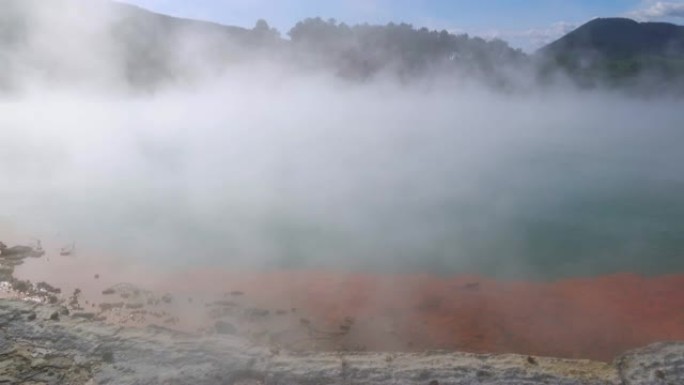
(528, 39)
(532, 38)
(659, 10)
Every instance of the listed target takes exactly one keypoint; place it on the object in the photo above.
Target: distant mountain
(621, 38)
(105, 43)
(64, 40)
(619, 49)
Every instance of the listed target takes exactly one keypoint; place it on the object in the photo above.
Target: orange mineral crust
(595, 318)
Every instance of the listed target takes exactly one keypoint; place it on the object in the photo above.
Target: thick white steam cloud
(266, 168)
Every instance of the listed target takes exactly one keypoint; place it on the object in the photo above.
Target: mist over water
(263, 171)
(264, 165)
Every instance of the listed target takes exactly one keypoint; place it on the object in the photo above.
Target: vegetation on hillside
(149, 50)
(620, 52)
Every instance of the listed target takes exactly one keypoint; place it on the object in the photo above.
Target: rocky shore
(37, 347)
(50, 337)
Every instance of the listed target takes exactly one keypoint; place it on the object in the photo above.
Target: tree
(264, 31)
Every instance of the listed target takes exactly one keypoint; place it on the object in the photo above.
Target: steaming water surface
(313, 173)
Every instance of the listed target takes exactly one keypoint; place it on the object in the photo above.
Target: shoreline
(45, 344)
(582, 318)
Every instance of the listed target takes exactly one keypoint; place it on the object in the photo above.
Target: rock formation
(37, 347)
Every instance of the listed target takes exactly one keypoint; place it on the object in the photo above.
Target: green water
(551, 221)
(578, 185)
(559, 218)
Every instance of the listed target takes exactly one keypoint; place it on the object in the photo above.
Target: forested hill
(621, 38)
(619, 49)
(85, 40)
(363, 50)
(65, 40)
(105, 43)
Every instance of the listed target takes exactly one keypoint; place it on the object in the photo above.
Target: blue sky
(525, 24)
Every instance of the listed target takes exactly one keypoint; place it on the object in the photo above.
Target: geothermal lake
(548, 225)
(504, 187)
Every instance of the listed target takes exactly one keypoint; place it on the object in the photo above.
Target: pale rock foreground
(40, 345)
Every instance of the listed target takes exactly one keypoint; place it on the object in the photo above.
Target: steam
(264, 166)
